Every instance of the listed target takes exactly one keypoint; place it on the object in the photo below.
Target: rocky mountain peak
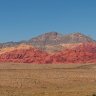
(79, 38)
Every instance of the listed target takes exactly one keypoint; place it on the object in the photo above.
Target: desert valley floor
(47, 79)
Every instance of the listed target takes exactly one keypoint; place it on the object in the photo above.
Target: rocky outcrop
(83, 53)
(51, 41)
(24, 56)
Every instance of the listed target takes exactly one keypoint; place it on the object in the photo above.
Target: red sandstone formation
(83, 53)
(24, 56)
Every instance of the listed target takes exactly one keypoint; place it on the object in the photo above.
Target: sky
(24, 19)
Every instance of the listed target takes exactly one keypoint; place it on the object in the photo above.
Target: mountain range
(51, 48)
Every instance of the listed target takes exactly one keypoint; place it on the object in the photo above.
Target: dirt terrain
(47, 79)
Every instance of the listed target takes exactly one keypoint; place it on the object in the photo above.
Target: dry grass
(47, 80)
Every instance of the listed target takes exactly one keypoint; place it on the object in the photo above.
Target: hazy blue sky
(23, 19)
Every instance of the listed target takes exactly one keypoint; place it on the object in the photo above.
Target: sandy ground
(47, 80)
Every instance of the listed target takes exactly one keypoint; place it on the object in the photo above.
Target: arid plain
(47, 79)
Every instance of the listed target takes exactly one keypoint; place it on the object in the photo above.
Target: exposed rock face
(24, 56)
(84, 53)
(48, 39)
(51, 38)
(54, 38)
(52, 41)
(77, 38)
(51, 48)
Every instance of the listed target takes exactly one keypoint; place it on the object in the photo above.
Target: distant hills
(51, 47)
(54, 38)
